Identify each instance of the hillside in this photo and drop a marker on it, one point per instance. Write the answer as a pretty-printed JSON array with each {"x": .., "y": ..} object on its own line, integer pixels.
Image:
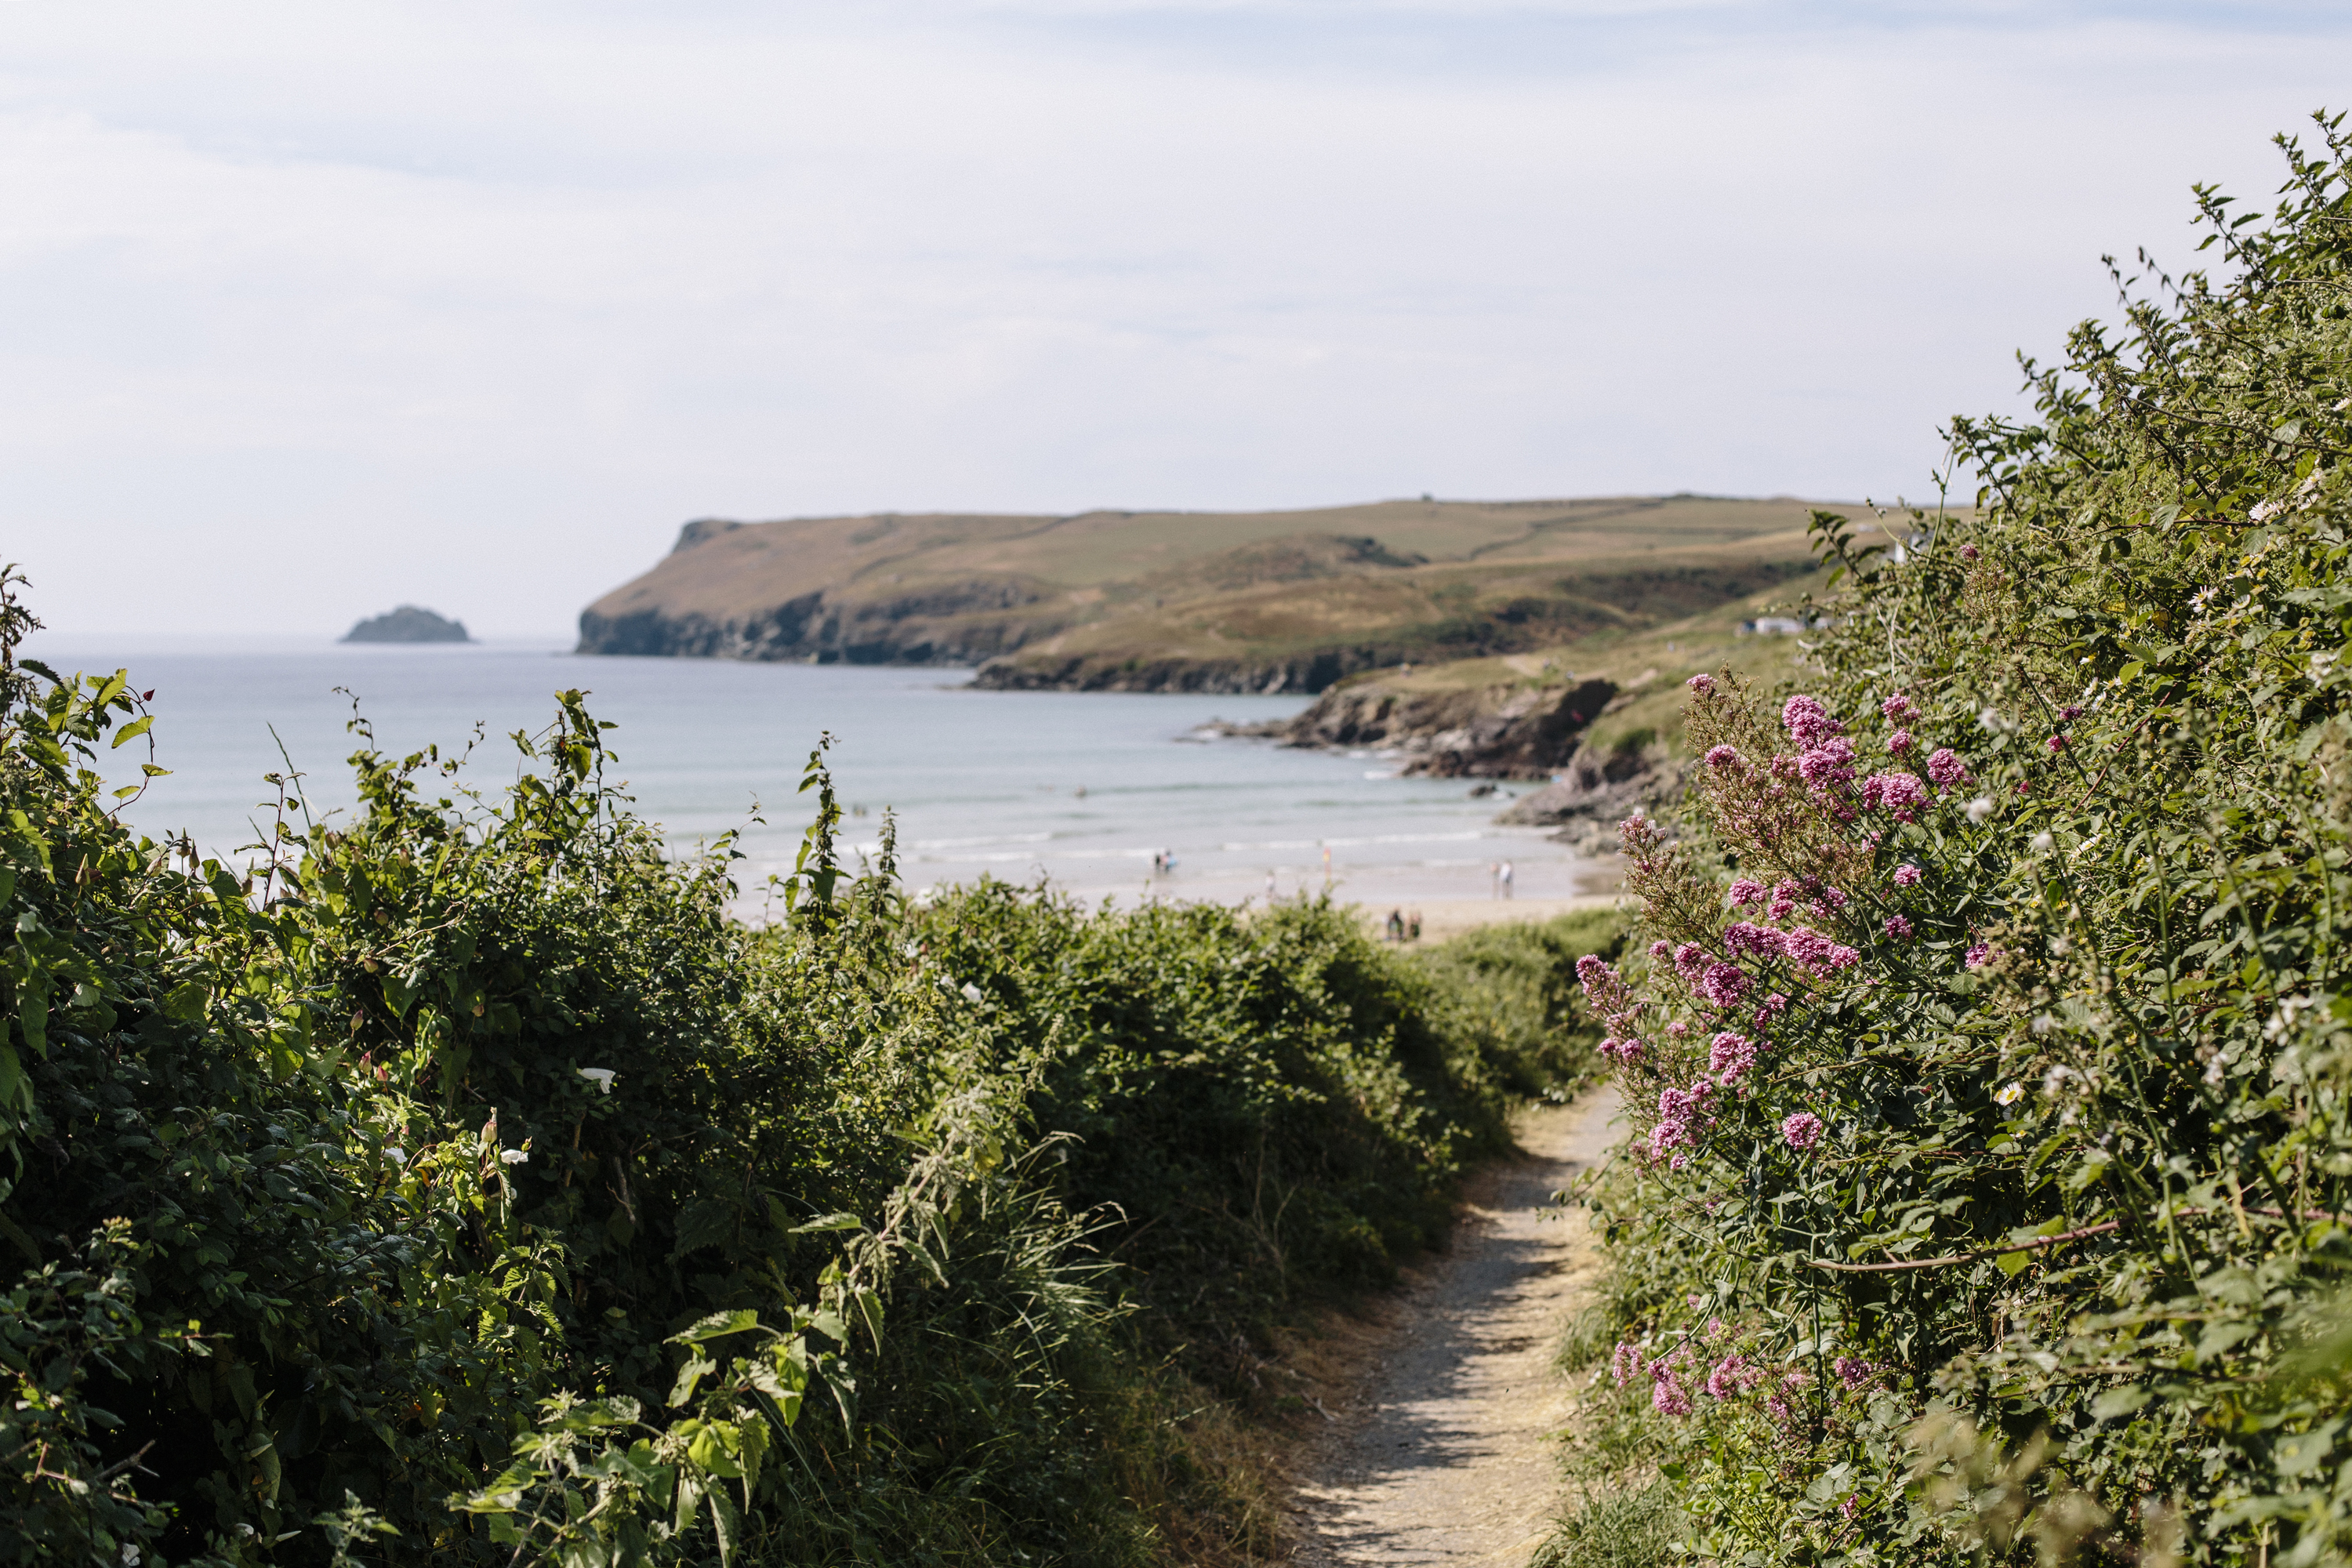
[{"x": 1284, "y": 601}]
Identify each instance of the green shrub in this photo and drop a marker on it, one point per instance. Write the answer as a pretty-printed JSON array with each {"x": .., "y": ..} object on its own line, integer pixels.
[
  {"x": 1994, "y": 1131},
  {"x": 461, "y": 1183}
]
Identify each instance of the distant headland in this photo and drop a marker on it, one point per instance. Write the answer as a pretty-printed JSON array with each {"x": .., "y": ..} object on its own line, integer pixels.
[
  {"x": 408, "y": 623},
  {"x": 1271, "y": 601}
]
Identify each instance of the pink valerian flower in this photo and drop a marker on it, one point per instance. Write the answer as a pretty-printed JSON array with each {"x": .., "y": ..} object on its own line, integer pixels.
[
  {"x": 1733, "y": 1376},
  {"x": 1944, "y": 766},
  {"x": 1855, "y": 1373},
  {"x": 1828, "y": 765},
  {"x": 1746, "y": 890},
  {"x": 1678, "y": 1029},
  {"x": 1680, "y": 1113},
  {"x": 2068, "y": 714},
  {"x": 1979, "y": 954},
  {"x": 1771, "y": 1007},
  {"x": 1667, "y": 1395},
  {"x": 1819, "y": 955},
  {"x": 1801, "y": 1130},
  {"x": 1807, "y": 722},
  {"x": 1729, "y": 1055},
  {"x": 1605, "y": 991},
  {"x": 1900, "y": 741},
  {"x": 1626, "y": 1363},
  {"x": 1825, "y": 897},
  {"x": 1899, "y": 793},
  {"x": 1724, "y": 985},
  {"x": 1743, "y": 939},
  {"x": 1848, "y": 1506},
  {"x": 1690, "y": 961},
  {"x": 1702, "y": 684},
  {"x": 1906, "y": 875},
  {"x": 1898, "y": 707},
  {"x": 1898, "y": 927},
  {"x": 1726, "y": 758},
  {"x": 1784, "y": 901},
  {"x": 1660, "y": 948},
  {"x": 1628, "y": 1051},
  {"x": 1967, "y": 552},
  {"x": 2056, "y": 743}
]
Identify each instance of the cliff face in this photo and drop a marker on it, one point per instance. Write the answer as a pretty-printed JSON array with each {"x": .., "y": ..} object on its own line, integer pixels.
[{"x": 1506, "y": 733}]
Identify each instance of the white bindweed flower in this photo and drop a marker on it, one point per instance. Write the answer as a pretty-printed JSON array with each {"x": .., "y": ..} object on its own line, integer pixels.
[
  {"x": 2043, "y": 844},
  {"x": 2043, "y": 1022},
  {"x": 971, "y": 993},
  {"x": 514, "y": 1156},
  {"x": 2009, "y": 1094},
  {"x": 1980, "y": 808},
  {"x": 397, "y": 1156},
  {"x": 601, "y": 1076}
]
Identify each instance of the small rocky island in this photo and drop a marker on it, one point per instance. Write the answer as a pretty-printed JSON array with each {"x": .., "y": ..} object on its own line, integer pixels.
[{"x": 408, "y": 623}]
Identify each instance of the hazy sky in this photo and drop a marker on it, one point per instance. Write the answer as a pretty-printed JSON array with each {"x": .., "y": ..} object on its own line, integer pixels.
[{"x": 314, "y": 309}]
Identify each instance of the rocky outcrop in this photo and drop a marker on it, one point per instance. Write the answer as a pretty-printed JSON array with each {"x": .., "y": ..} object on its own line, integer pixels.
[
  {"x": 1596, "y": 791},
  {"x": 407, "y": 624},
  {"x": 1503, "y": 733}
]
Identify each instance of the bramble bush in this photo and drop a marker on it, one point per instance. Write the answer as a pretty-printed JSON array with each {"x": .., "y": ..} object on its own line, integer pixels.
[
  {"x": 460, "y": 1182},
  {"x": 1990, "y": 1037}
]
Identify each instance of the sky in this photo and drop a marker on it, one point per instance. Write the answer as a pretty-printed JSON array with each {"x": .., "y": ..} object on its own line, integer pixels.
[{"x": 312, "y": 311}]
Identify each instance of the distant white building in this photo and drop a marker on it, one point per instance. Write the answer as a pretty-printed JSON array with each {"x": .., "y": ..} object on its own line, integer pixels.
[{"x": 1771, "y": 627}]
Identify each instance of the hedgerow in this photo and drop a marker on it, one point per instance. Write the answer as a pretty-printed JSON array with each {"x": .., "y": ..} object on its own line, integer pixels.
[
  {"x": 459, "y": 1181},
  {"x": 1990, "y": 1193}
]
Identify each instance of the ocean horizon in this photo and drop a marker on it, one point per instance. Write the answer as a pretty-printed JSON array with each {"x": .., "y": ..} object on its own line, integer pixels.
[{"x": 1080, "y": 790}]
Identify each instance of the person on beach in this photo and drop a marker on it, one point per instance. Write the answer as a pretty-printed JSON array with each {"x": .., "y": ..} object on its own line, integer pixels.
[
  {"x": 1413, "y": 926},
  {"x": 1396, "y": 925},
  {"x": 1507, "y": 878},
  {"x": 1269, "y": 886}
]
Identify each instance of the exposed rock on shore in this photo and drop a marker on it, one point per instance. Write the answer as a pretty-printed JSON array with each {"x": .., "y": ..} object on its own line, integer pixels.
[
  {"x": 1596, "y": 790},
  {"x": 1508, "y": 732}
]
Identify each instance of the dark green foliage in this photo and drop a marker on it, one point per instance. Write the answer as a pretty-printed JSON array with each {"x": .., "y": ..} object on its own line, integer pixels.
[{"x": 462, "y": 1182}]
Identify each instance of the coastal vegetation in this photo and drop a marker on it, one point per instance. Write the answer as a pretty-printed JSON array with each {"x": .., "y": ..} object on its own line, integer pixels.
[
  {"x": 458, "y": 1181},
  {"x": 1286, "y": 601},
  {"x": 1988, "y": 1032}
]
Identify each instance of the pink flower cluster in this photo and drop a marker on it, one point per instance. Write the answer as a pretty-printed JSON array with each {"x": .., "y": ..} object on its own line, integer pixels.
[
  {"x": 1626, "y": 1365},
  {"x": 1812, "y": 952},
  {"x": 1807, "y": 722},
  {"x": 1729, "y": 1055},
  {"x": 1733, "y": 1376},
  {"x": 1827, "y": 766},
  {"x": 1906, "y": 875},
  {"x": 1898, "y": 792},
  {"x": 1801, "y": 1130},
  {"x": 1944, "y": 766},
  {"x": 1667, "y": 1395},
  {"x": 1855, "y": 1374},
  {"x": 1726, "y": 758},
  {"x": 1898, "y": 707},
  {"x": 1744, "y": 940},
  {"x": 1979, "y": 954},
  {"x": 1898, "y": 927},
  {"x": 1746, "y": 890},
  {"x": 1900, "y": 741},
  {"x": 1702, "y": 684},
  {"x": 1606, "y": 993},
  {"x": 1681, "y": 1119}
]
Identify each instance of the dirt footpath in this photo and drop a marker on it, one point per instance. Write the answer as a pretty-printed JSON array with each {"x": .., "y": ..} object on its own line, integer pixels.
[{"x": 1440, "y": 1453}]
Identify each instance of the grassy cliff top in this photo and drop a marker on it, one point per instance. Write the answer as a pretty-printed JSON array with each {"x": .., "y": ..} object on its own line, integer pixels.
[{"x": 1254, "y": 600}]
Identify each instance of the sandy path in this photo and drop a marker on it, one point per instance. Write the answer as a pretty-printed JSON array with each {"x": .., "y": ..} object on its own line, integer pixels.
[{"x": 1441, "y": 1455}]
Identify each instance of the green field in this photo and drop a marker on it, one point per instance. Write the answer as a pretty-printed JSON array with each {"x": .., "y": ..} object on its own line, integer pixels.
[{"x": 1214, "y": 601}]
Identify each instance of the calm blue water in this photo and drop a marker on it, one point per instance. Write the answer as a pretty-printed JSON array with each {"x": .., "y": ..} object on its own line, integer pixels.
[{"x": 983, "y": 781}]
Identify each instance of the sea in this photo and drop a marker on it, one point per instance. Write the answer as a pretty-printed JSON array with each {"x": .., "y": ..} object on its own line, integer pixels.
[{"x": 1123, "y": 796}]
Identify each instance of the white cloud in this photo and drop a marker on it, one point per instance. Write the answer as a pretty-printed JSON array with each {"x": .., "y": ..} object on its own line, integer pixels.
[{"x": 316, "y": 310}]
